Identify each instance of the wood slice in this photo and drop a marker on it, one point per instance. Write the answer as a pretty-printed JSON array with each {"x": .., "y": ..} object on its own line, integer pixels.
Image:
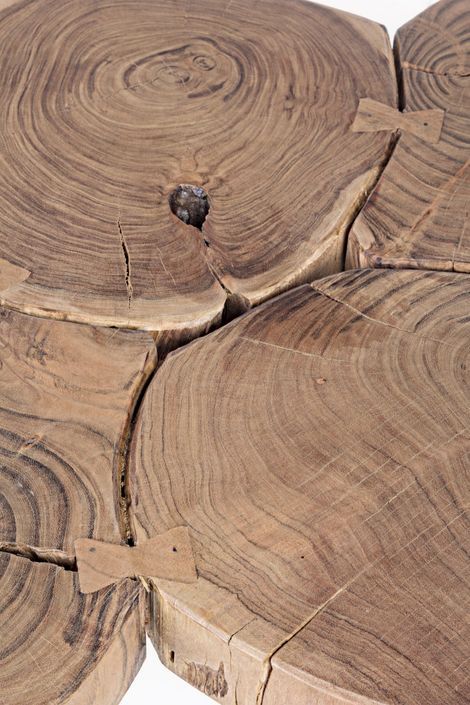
[
  {"x": 108, "y": 107},
  {"x": 318, "y": 449},
  {"x": 57, "y": 646},
  {"x": 418, "y": 215},
  {"x": 66, "y": 396},
  {"x": 67, "y": 393}
]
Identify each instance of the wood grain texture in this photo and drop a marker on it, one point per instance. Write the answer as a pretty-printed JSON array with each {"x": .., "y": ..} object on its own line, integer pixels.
[
  {"x": 418, "y": 216},
  {"x": 107, "y": 107},
  {"x": 66, "y": 394},
  {"x": 377, "y": 117},
  {"x": 318, "y": 449},
  {"x": 58, "y": 646},
  {"x": 168, "y": 556}
]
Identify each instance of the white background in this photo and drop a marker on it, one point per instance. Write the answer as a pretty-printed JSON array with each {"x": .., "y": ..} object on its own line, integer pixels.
[{"x": 155, "y": 685}]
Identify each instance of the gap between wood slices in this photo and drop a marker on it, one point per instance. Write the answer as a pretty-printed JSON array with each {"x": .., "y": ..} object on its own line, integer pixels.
[{"x": 257, "y": 661}]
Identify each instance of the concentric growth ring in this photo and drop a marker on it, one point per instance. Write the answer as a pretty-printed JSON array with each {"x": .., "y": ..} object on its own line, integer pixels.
[{"x": 107, "y": 107}]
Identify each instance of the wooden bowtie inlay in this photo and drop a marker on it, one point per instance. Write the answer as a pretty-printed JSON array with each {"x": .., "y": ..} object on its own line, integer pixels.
[
  {"x": 168, "y": 556},
  {"x": 373, "y": 116}
]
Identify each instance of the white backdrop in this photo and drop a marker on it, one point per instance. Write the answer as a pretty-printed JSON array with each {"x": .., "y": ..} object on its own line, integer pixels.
[{"x": 155, "y": 685}]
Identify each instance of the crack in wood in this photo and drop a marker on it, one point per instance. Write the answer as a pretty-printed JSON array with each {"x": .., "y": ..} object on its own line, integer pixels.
[
  {"x": 235, "y": 304},
  {"x": 446, "y": 193},
  {"x": 127, "y": 262},
  {"x": 377, "y": 320},
  {"x": 284, "y": 348},
  {"x": 268, "y": 660},
  {"x": 268, "y": 668},
  {"x": 37, "y": 554},
  {"x": 433, "y": 72},
  {"x": 229, "y": 644},
  {"x": 122, "y": 462},
  {"x": 358, "y": 207}
]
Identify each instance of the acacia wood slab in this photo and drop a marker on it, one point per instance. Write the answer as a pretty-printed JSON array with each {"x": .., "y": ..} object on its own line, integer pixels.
[
  {"x": 318, "y": 450},
  {"x": 166, "y": 166},
  {"x": 418, "y": 215},
  {"x": 66, "y": 397},
  {"x": 107, "y": 107},
  {"x": 58, "y": 646}
]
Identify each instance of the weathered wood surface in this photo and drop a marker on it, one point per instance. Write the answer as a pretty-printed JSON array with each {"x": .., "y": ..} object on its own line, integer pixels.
[
  {"x": 318, "y": 449},
  {"x": 108, "y": 107},
  {"x": 66, "y": 396},
  {"x": 58, "y": 646},
  {"x": 166, "y": 166},
  {"x": 419, "y": 213},
  {"x": 169, "y": 555}
]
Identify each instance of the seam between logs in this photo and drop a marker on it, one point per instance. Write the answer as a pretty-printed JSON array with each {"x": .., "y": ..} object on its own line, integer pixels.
[
  {"x": 367, "y": 192},
  {"x": 121, "y": 463},
  {"x": 389, "y": 152}
]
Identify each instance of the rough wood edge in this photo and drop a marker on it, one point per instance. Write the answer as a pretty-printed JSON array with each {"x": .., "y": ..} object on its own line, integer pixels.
[{"x": 98, "y": 687}]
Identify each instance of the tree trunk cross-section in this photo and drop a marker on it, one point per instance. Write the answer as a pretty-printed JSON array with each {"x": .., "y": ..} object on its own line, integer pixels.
[
  {"x": 59, "y": 646},
  {"x": 66, "y": 395},
  {"x": 318, "y": 450},
  {"x": 418, "y": 215},
  {"x": 108, "y": 107},
  {"x": 300, "y": 477}
]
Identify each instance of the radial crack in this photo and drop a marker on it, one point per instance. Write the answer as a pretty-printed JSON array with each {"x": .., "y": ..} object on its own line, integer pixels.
[
  {"x": 433, "y": 72},
  {"x": 235, "y": 304},
  {"x": 40, "y": 555},
  {"x": 377, "y": 321},
  {"x": 267, "y": 665},
  {"x": 127, "y": 262}
]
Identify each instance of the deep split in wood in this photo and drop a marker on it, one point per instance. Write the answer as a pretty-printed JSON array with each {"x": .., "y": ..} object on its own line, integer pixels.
[{"x": 282, "y": 504}]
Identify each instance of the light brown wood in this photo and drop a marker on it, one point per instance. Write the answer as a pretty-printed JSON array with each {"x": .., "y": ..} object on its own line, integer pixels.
[
  {"x": 108, "y": 107},
  {"x": 298, "y": 483},
  {"x": 66, "y": 396},
  {"x": 318, "y": 450},
  {"x": 168, "y": 556},
  {"x": 419, "y": 213},
  {"x": 58, "y": 646},
  {"x": 377, "y": 117},
  {"x": 67, "y": 393}
]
